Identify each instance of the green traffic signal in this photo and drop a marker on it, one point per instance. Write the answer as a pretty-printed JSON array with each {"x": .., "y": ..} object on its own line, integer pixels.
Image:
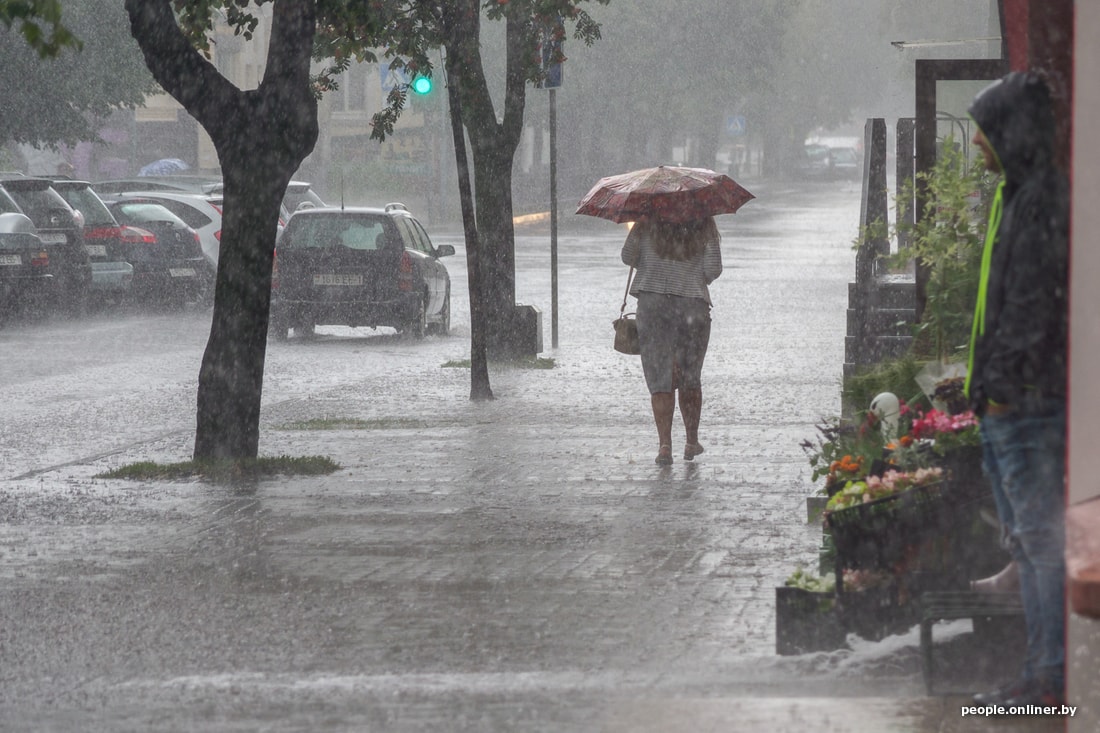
[{"x": 421, "y": 85}]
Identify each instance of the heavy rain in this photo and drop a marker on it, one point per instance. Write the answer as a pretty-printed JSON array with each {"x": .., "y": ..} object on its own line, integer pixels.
[{"x": 311, "y": 234}]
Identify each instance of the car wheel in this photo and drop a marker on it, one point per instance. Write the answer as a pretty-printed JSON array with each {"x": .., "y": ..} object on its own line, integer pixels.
[
  {"x": 444, "y": 326},
  {"x": 278, "y": 329},
  {"x": 76, "y": 298},
  {"x": 206, "y": 292},
  {"x": 418, "y": 326}
]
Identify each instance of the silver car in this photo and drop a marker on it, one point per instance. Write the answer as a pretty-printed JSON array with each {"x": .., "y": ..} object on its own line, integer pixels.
[{"x": 201, "y": 212}]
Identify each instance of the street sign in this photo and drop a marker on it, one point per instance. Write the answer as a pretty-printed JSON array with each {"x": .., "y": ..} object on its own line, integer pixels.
[
  {"x": 392, "y": 78},
  {"x": 735, "y": 125},
  {"x": 550, "y": 45}
]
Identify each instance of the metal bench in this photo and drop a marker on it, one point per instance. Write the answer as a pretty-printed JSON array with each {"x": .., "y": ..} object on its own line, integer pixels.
[{"x": 949, "y": 605}]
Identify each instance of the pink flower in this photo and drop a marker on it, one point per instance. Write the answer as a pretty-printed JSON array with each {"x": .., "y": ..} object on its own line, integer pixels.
[{"x": 935, "y": 422}]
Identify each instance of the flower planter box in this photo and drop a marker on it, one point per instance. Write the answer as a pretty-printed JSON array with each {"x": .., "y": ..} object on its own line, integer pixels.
[
  {"x": 806, "y": 622},
  {"x": 879, "y": 534},
  {"x": 963, "y": 467},
  {"x": 876, "y": 613},
  {"x": 815, "y": 508},
  {"x": 892, "y": 531}
]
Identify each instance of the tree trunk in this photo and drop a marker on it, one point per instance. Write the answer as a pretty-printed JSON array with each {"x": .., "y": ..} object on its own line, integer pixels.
[
  {"x": 231, "y": 377},
  {"x": 261, "y": 137},
  {"x": 496, "y": 233},
  {"x": 493, "y": 145},
  {"x": 480, "y": 388}
]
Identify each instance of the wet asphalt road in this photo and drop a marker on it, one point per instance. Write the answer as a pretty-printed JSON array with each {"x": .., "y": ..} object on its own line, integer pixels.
[{"x": 517, "y": 565}]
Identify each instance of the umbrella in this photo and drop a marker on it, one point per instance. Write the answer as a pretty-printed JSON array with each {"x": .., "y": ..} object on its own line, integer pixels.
[
  {"x": 670, "y": 193},
  {"x": 164, "y": 167}
]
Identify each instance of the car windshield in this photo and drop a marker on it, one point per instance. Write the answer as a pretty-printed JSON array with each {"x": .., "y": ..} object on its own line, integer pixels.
[
  {"x": 7, "y": 204},
  {"x": 366, "y": 232},
  {"x": 187, "y": 210},
  {"x": 140, "y": 212},
  {"x": 844, "y": 155},
  {"x": 296, "y": 196},
  {"x": 41, "y": 205},
  {"x": 86, "y": 202}
]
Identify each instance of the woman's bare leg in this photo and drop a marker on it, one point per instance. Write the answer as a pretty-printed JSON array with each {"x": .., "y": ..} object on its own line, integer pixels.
[{"x": 664, "y": 405}]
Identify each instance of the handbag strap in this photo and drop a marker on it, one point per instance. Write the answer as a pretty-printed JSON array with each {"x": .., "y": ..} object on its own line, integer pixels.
[{"x": 629, "y": 279}]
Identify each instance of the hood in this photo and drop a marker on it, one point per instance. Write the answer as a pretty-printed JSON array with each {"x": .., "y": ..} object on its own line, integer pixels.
[{"x": 1015, "y": 115}]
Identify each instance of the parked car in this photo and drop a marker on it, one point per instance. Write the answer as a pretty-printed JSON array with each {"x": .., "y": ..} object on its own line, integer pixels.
[
  {"x": 61, "y": 232},
  {"x": 112, "y": 275},
  {"x": 815, "y": 162},
  {"x": 169, "y": 265},
  {"x": 187, "y": 183},
  {"x": 299, "y": 195},
  {"x": 202, "y": 212},
  {"x": 846, "y": 163},
  {"x": 26, "y": 277},
  {"x": 359, "y": 267}
]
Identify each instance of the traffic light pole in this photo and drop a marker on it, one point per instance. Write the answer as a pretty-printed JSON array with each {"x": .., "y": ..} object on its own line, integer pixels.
[{"x": 553, "y": 219}]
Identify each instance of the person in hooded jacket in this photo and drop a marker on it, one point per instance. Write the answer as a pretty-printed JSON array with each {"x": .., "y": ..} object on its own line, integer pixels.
[{"x": 1016, "y": 380}]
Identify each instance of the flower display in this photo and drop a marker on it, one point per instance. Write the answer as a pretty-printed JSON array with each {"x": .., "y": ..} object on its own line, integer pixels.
[
  {"x": 932, "y": 423},
  {"x": 876, "y": 487},
  {"x": 946, "y": 431},
  {"x": 845, "y": 451},
  {"x": 855, "y": 580}
]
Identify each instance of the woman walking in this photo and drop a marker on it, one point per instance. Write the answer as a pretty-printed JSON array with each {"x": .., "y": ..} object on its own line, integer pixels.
[{"x": 675, "y": 263}]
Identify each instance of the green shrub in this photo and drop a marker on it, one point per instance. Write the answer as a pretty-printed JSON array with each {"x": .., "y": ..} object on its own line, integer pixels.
[{"x": 947, "y": 242}]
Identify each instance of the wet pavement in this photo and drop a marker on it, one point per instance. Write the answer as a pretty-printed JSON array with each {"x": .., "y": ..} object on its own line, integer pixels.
[{"x": 514, "y": 565}]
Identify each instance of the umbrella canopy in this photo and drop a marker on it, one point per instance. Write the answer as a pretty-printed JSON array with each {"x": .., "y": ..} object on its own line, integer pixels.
[
  {"x": 668, "y": 193},
  {"x": 164, "y": 167}
]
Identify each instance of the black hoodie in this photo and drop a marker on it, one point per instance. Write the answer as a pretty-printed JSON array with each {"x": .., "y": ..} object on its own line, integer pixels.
[{"x": 1020, "y": 359}]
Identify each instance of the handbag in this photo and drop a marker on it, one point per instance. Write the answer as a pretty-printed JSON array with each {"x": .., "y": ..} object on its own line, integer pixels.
[
  {"x": 626, "y": 327},
  {"x": 626, "y": 334}
]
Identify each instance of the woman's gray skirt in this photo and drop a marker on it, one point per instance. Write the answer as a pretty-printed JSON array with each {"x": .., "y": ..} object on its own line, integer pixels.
[{"x": 672, "y": 331}]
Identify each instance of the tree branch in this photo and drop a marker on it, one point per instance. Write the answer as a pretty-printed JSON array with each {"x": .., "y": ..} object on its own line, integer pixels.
[{"x": 177, "y": 66}]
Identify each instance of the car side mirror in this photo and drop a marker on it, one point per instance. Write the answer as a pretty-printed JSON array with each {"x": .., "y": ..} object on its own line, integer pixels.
[{"x": 444, "y": 250}]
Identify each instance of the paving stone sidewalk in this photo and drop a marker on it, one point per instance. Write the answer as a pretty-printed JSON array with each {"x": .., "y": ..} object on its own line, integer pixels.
[{"x": 519, "y": 565}]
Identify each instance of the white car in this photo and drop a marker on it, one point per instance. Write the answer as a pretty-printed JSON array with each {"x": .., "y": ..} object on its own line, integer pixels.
[{"x": 201, "y": 212}]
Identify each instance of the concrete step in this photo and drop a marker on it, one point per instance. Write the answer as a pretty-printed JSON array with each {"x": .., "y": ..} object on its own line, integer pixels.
[
  {"x": 896, "y": 294},
  {"x": 885, "y": 322},
  {"x": 892, "y": 321}
]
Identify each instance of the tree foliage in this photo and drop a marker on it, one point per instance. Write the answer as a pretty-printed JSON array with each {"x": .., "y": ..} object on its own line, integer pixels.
[
  {"x": 407, "y": 32},
  {"x": 39, "y": 21},
  {"x": 667, "y": 75},
  {"x": 262, "y": 135},
  {"x": 948, "y": 241},
  {"x": 57, "y": 89}
]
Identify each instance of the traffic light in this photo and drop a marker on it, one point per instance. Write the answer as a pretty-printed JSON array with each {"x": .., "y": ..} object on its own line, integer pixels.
[{"x": 421, "y": 85}]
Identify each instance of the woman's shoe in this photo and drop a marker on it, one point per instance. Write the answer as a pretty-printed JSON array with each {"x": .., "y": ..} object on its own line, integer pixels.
[
  {"x": 1006, "y": 581},
  {"x": 691, "y": 450},
  {"x": 664, "y": 456}
]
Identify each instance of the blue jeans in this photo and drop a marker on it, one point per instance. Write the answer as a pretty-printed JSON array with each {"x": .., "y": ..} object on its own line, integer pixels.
[{"x": 1024, "y": 457}]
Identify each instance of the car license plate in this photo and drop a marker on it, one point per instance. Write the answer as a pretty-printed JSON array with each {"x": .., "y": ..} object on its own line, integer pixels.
[
  {"x": 337, "y": 278},
  {"x": 53, "y": 237},
  {"x": 10, "y": 260},
  {"x": 96, "y": 250},
  {"x": 181, "y": 272}
]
